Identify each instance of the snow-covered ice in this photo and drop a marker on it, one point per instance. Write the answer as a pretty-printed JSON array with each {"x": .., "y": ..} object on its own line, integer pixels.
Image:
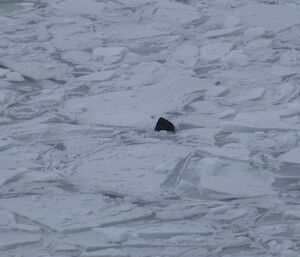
[
  {"x": 14, "y": 77},
  {"x": 109, "y": 55},
  {"x": 3, "y": 72},
  {"x": 82, "y": 171}
]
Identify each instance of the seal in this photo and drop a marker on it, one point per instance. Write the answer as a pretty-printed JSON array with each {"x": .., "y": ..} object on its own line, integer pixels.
[{"x": 163, "y": 124}]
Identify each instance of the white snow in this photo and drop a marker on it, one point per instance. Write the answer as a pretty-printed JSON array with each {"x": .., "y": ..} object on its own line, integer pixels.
[{"x": 82, "y": 85}]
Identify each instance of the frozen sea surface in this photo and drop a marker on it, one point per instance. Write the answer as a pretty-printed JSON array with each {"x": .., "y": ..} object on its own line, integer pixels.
[{"x": 82, "y": 171}]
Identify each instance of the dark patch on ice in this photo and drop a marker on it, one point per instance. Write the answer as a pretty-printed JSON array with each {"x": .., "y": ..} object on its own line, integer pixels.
[
  {"x": 287, "y": 183},
  {"x": 79, "y": 91},
  {"x": 14, "y": 178},
  {"x": 183, "y": 1},
  {"x": 288, "y": 170},
  {"x": 146, "y": 50},
  {"x": 58, "y": 81},
  {"x": 163, "y": 124},
  {"x": 66, "y": 186},
  {"x": 60, "y": 146},
  {"x": 205, "y": 69},
  {"x": 17, "y": 194},
  {"x": 113, "y": 195}
]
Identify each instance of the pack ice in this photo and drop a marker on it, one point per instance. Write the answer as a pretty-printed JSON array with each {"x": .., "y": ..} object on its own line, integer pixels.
[{"x": 83, "y": 171}]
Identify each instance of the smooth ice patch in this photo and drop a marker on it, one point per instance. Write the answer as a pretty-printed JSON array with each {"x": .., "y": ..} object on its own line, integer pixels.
[
  {"x": 88, "y": 7},
  {"x": 133, "y": 108},
  {"x": 294, "y": 214},
  {"x": 15, "y": 239},
  {"x": 258, "y": 121},
  {"x": 218, "y": 91},
  {"x": 3, "y": 72},
  {"x": 109, "y": 55},
  {"x": 125, "y": 32},
  {"x": 232, "y": 151},
  {"x": 215, "y": 51},
  {"x": 98, "y": 76},
  {"x": 9, "y": 175},
  {"x": 185, "y": 55},
  {"x": 291, "y": 109},
  {"x": 234, "y": 178},
  {"x": 237, "y": 57},
  {"x": 134, "y": 172},
  {"x": 273, "y": 17},
  {"x": 7, "y": 6},
  {"x": 77, "y": 56},
  {"x": 231, "y": 22},
  {"x": 292, "y": 156},
  {"x": 253, "y": 94},
  {"x": 174, "y": 13},
  {"x": 284, "y": 71},
  {"x": 255, "y": 32},
  {"x": 14, "y": 77},
  {"x": 72, "y": 214},
  {"x": 37, "y": 67}
]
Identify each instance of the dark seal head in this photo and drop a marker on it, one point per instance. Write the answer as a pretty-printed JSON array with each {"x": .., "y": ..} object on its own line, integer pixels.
[{"x": 163, "y": 124}]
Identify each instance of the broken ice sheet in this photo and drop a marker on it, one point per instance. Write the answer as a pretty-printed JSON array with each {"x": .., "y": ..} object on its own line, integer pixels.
[
  {"x": 133, "y": 107},
  {"x": 133, "y": 172},
  {"x": 127, "y": 190},
  {"x": 14, "y": 239},
  {"x": 35, "y": 66},
  {"x": 234, "y": 178},
  {"x": 70, "y": 214},
  {"x": 260, "y": 121}
]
